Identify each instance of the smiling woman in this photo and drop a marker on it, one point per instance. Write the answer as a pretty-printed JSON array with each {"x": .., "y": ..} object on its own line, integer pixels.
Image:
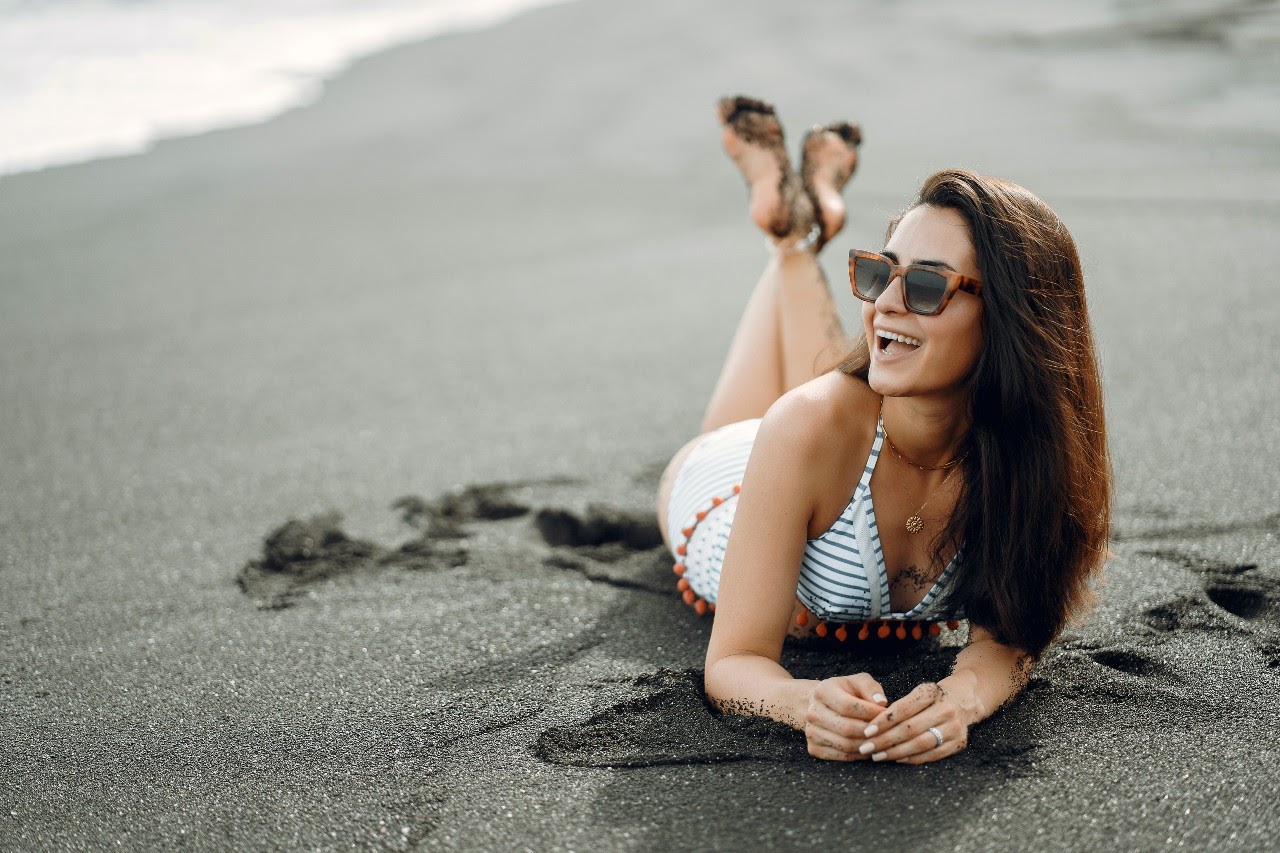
[{"x": 952, "y": 465}]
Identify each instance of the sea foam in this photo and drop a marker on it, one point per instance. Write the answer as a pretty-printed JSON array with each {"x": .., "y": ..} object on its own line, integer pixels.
[{"x": 81, "y": 79}]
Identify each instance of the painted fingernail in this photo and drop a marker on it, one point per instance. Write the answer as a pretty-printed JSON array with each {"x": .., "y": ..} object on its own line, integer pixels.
[
  {"x": 879, "y": 697},
  {"x": 865, "y": 748},
  {"x": 879, "y": 756},
  {"x": 870, "y": 731}
]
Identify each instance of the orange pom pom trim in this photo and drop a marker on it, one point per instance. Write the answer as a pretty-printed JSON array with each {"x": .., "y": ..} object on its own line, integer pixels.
[{"x": 686, "y": 591}]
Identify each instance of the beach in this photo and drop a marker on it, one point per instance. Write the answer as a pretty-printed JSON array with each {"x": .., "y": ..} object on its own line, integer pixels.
[{"x": 328, "y": 444}]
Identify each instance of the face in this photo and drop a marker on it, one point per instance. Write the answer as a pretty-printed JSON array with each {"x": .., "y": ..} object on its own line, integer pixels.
[{"x": 943, "y": 348}]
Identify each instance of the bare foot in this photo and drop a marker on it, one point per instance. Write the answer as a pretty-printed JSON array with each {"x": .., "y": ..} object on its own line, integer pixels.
[
  {"x": 753, "y": 139},
  {"x": 828, "y": 157}
]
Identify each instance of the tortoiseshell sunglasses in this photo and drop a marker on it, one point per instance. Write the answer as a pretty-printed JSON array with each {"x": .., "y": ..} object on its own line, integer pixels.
[{"x": 926, "y": 289}]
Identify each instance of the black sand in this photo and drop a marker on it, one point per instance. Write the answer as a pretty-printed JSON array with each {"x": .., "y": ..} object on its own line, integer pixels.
[{"x": 496, "y": 271}]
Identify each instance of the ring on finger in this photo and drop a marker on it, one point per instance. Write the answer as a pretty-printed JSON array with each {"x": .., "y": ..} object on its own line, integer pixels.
[{"x": 937, "y": 735}]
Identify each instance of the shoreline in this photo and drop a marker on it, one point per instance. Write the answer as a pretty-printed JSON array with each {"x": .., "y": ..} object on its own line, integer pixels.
[{"x": 474, "y": 272}]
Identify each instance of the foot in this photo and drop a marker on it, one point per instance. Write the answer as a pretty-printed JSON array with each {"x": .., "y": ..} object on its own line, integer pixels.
[
  {"x": 828, "y": 157},
  {"x": 753, "y": 139}
]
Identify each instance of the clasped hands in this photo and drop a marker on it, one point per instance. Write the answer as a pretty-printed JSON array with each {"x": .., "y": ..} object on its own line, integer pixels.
[{"x": 850, "y": 719}]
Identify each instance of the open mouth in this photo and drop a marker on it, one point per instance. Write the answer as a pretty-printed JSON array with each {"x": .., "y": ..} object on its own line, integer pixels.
[{"x": 892, "y": 342}]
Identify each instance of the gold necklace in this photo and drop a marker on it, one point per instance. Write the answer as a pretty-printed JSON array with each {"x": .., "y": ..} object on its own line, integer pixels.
[
  {"x": 914, "y": 522},
  {"x": 898, "y": 454}
]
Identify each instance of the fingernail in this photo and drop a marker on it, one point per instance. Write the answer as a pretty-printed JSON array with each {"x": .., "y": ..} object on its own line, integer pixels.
[
  {"x": 866, "y": 747},
  {"x": 879, "y": 756},
  {"x": 879, "y": 697},
  {"x": 870, "y": 731}
]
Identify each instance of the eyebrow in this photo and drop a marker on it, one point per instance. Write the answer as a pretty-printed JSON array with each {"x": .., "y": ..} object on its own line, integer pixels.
[{"x": 924, "y": 262}]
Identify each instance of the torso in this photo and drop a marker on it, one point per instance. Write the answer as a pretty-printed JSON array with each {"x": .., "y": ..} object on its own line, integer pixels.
[{"x": 908, "y": 559}]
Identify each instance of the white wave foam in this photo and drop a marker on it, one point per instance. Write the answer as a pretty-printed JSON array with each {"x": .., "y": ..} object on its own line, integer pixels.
[{"x": 89, "y": 78}]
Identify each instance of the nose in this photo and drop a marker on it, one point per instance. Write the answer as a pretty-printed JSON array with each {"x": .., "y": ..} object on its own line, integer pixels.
[{"x": 892, "y": 300}]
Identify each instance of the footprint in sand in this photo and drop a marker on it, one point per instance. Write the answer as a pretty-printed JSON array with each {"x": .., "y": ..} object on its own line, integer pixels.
[
  {"x": 1131, "y": 661},
  {"x": 299, "y": 554},
  {"x": 619, "y": 547},
  {"x": 1244, "y": 591}
]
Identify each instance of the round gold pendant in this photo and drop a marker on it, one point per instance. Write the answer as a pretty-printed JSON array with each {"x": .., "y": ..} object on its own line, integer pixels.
[{"x": 914, "y": 524}]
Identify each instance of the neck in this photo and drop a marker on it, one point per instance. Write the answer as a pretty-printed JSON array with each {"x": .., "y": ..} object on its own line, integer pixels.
[{"x": 925, "y": 432}]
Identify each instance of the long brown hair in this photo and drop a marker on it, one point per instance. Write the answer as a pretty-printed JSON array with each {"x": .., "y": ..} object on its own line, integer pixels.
[{"x": 1034, "y": 508}]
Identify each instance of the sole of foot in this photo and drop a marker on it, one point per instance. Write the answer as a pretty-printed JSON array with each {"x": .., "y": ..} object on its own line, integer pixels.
[
  {"x": 829, "y": 156},
  {"x": 753, "y": 139}
]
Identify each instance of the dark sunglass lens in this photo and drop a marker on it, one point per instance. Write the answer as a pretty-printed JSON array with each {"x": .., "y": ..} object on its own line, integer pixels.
[
  {"x": 925, "y": 290},
  {"x": 870, "y": 277}
]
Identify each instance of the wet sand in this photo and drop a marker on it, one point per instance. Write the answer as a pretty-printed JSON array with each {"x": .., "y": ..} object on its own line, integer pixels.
[{"x": 327, "y": 444}]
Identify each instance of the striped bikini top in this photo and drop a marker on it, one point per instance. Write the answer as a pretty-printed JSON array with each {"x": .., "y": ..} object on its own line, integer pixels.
[{"x": 843, "y": 576}]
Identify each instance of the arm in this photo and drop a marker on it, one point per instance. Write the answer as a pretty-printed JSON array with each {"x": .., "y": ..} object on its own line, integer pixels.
[
  {"x": 761, "y": 568},
  {"x": 790, "y": 466},
  {"x": 987, "y": 675}
]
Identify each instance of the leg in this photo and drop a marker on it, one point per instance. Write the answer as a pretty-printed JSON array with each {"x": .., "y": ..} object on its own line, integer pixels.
[{"x": 790, "y": 325}]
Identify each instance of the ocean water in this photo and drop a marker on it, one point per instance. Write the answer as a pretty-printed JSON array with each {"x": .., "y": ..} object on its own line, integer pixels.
[{"x": 81, "y": 79}]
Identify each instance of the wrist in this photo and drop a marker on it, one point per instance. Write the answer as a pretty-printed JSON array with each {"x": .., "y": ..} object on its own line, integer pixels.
[
  {"x": 787, "y": 702},
  {"x": 962, "y": 687}
]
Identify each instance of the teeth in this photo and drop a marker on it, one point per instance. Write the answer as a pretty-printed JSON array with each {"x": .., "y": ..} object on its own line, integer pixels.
[{"x": 894, "y": 336}]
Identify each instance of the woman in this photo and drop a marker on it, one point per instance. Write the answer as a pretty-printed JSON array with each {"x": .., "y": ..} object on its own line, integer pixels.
[{"x": 965, "y": 422}]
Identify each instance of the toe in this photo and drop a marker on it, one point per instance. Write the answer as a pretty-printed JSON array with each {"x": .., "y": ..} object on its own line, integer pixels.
[
  {"x": 850, "y": 133},
  {"x": 735, "y": 107}
]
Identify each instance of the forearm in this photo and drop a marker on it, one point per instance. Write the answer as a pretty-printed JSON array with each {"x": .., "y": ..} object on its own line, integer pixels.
[
  {"x": 987, "y": 675},
  {"x": 753, "y": 685}
]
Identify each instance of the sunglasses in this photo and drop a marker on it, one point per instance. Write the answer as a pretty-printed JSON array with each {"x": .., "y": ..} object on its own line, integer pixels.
[{"x": 926, "y": 289}]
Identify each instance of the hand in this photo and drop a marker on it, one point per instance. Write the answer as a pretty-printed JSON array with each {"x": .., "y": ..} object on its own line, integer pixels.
[
  {"x": 901, "y": 731},
  {"x": 839, "y": 710}
]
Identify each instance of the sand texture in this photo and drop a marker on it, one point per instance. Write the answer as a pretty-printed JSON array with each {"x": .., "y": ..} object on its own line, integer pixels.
[{"x": 327, "y": 445}]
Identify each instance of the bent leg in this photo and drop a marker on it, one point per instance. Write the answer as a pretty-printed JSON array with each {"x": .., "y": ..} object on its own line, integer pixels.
[{"x": 789, "y": 329}]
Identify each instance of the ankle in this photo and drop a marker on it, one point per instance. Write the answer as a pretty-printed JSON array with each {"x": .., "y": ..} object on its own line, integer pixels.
[{"x": 796, "y": 244}]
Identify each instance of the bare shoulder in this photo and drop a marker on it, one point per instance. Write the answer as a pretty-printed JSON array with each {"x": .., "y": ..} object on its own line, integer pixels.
[{"x": 824, "y": 418}]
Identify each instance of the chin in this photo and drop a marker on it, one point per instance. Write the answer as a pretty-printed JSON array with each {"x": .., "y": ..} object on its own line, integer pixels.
[{"x": 885, "y": 386}]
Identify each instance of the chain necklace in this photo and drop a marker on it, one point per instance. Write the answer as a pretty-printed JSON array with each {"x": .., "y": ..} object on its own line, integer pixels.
[
  {"x": 914, "y": 522},
  {"x": 898, "y": 454}
]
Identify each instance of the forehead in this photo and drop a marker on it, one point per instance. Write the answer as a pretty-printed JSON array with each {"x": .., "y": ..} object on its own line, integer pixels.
[{"x": 931, "y": 233}]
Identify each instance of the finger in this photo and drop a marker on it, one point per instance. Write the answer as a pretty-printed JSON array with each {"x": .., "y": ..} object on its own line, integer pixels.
[
  {"x": 843, "y": 697},
  {"x": 867, "y": 687},
  {"x": 949, "y": 747},
  {"x": 831, "y": 747},
  {"x": 918, "y": 745},
  {"x": 905, "y": 708},
  {"x": 840, "y": 725},
  {"x": 903, "y": 733}
]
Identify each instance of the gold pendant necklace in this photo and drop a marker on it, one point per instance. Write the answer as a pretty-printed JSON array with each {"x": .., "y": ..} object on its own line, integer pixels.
[{"x": 914, "y": 522}]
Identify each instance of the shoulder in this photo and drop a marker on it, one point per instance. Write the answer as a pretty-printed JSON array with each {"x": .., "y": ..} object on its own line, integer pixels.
[{"x": 825, "y": 417}]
